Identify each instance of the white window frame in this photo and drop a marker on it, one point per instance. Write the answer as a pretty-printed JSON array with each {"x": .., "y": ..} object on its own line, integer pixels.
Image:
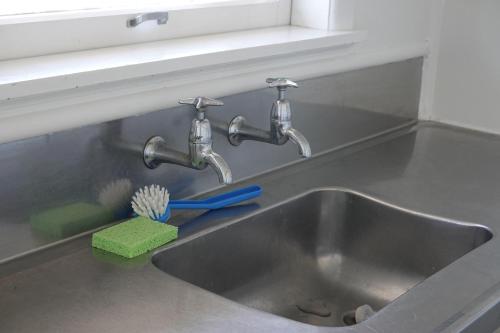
[
  {"x": 323, "y": 14},
  {"x": 61, "y": 14},
  {"x": 50, "y": 33}
]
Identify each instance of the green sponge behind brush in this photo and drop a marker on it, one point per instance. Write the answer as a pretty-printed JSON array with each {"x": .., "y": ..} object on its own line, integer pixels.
[
  {"x": 134, "y": 237},
  {"x": 70, "y": 220}
]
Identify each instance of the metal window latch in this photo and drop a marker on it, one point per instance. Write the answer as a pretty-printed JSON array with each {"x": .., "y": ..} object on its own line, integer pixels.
[{"x": 160, "y": 17}]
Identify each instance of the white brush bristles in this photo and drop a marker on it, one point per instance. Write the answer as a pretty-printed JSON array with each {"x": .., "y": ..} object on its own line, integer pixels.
[{"x": 150, "y": 201}]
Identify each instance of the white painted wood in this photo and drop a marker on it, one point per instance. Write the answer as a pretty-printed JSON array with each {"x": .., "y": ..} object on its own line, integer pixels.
[
  {"x": 468, "y": 72},
  {"x": 30, "y": 76},
  {"x": 341, "y": 15},
  {"x": 65, "y": 35},
  {"x": 311, "y": 14},
  {"x": 93, "y": 9},
  {"x": 384, "y": 19},
  {"x": 323, "y": 14}
]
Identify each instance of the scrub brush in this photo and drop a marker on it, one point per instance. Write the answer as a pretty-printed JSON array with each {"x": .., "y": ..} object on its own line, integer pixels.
[
  {"x": 151, "y": 202},
  {"x": 143, "y": 233}
]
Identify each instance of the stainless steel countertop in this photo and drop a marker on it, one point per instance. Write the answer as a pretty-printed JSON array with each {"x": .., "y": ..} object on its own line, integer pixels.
[{"x": 433, "y": 169}]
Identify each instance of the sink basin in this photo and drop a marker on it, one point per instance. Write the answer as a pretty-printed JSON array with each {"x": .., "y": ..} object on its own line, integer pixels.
[{"x": 317, "y": 257}]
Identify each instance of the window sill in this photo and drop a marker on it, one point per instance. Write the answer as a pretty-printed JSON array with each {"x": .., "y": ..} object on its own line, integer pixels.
[
  {"x": 53, "y": 73},
  {"x": 53, "y": 93}
]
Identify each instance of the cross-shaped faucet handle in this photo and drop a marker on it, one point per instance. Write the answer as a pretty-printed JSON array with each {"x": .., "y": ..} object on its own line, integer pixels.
[
  {"x": 281, "y": 83},
  {"x": 201, "y": 103}
]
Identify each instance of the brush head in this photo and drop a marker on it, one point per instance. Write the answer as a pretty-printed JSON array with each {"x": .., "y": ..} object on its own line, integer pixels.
[
  {"x": 151, "y": 202},
  {"x": 134, "y": 237}
]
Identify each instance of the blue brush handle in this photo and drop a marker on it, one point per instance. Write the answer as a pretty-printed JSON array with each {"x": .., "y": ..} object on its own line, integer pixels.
[
  {"x": 218, "y": 201},
  {"x": 215, "y": 202}
]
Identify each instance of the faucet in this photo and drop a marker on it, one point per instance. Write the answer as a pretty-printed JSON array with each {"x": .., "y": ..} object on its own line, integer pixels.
[
  {"x": 200, "y": 153},
  {"x": 281, "y": 123}
]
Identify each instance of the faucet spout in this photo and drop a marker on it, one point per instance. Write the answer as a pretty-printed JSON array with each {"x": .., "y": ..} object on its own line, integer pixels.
[
  {"x": 300, "y": 140},
  {"x": 219, "y": 165}
]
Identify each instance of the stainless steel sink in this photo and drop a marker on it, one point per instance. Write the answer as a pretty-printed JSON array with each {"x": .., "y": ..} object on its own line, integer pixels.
[{"x": 317, "y": 257}]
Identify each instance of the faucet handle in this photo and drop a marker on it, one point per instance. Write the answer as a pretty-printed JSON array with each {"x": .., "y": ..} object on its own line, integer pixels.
[
  {"x": 281, "y": 83},
  {"x": 200, "y": 103}
]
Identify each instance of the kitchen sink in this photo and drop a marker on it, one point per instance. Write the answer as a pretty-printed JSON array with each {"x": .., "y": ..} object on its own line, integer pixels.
[{"x": 317, "y": 257}]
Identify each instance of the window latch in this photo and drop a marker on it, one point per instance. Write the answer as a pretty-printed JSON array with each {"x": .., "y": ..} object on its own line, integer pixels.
[{"x": 160, "y": 17}]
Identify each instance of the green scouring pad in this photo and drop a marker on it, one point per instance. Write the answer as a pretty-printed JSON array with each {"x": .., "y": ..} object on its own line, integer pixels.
[
  {"x": 134, "y": 237},
  {"x": 70, "y": 220}
]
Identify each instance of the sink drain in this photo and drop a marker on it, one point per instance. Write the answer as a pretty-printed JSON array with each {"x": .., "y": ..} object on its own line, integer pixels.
[
  {"x": 360, "y": 314},
  {"x": 349, "y": 318},
  {"x": 315, "y": 307}
]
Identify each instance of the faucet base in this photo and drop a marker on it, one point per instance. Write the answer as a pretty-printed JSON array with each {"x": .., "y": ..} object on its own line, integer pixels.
[
  {"x": 149, "y": 153},
  {"x": 234, "y": 130}
]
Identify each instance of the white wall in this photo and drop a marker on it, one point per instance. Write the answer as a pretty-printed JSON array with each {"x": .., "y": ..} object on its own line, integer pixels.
[
  {"x": 388, "y": 23},
  {"x": 393, "y": 23},
  {"x": 467, "y": 86}
]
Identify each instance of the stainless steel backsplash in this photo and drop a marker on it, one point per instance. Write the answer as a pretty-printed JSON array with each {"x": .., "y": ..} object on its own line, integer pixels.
[{"x": 79, "y": 165}]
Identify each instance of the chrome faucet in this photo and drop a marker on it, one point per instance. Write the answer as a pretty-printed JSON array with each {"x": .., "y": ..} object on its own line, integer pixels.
[
  {"x": 281, "y": 123},
  {"x": 200, "y": 153}
]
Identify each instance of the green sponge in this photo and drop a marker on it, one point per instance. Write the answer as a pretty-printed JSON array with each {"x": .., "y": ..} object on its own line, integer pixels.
[
  {"x": 70, "y": 220},
  {"x": 134, "y": 237}
]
